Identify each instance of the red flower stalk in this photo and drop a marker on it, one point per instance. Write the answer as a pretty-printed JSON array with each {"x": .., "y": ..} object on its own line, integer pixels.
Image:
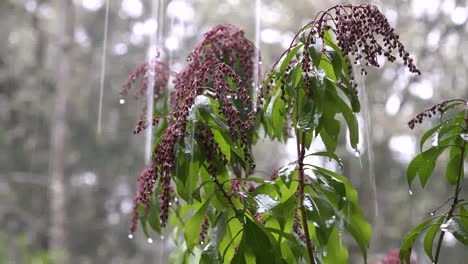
[
  {"x": 431, "y": 112},
  {"x": 297, "y": 226},
  {"x": 141, "y": 73},
  {"x": 204, "y": 230},
  {"x": 224, "y": 57}
]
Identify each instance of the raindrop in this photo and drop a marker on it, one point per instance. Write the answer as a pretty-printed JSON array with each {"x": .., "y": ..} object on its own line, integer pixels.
[
  {"x": 357, "y": 154},
  {"x": 464, "y": 136},
  {"x": 410, "y": 192},
  {"x": 435, "y": 140},
  {"x": 150, "y": 240},
  {"x": 431, "y": 213},
  {"x": 201, "y": 243},
  {"x": 176, "y": 200},
  {"x": 130, "y": 236},
  {"x": 122, "y": 101},
  {"x": 229, "y": 96},
  {"x": 260, "y": 62},
  {"x": 170, "y": 203},
  {"x": 162, "y": 237},
  {"x": 444, "y": 227}
]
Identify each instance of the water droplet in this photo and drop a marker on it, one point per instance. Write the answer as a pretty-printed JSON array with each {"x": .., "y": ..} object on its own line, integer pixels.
[
  {"x": 228, "y": 96},
  {"x": 464, "y": 136},
  {"x": 130, "y": 236},
  {"x": 122, "y": 101},
  {"x": 150, "y": 240},
  {"x": 176, "y": 200},
  {"x": 170, "y": 203},
  {"x": 260, "y": 62},
  {"x": 435, "y": 140},
  {"x": 201, "y": 242},
  {"x": 162, "y": 237},
  {"x": 357, "y": 154},
  {"x": 431, "y": 213},
  {"x": 444, "y": 227},
  {"x": 410, "y": 192}
]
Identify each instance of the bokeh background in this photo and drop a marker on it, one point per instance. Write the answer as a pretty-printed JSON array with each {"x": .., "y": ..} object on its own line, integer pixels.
[{"x": 38, "y": 100}]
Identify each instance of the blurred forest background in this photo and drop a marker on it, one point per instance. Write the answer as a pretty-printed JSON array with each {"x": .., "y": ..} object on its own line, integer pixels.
[{"x": 67, "y": 190}]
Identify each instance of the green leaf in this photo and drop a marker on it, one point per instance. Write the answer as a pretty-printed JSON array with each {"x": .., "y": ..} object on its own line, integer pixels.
[
  {"x": 223, "y": 145},
  {"x": 429, "y": 237},
  {"x": 210, "y": 253},
  {"x": 335, "y": 251},
  {"x": 322, "y": 215},
  {"x": 332, "y": 183},
  {"x": 283, "y": 212},
  {"x": 423, "y": 165},
  {"x": 453, "y": 167},
  {"x": 336, "y": 62},
  {"x": 329, "y": 155},
  {"x": 309, "y": 117},
  {"x": 427, "y": 135},
  {"x": 354, "y": 220},
  {"x": 347, "y": 113},
  {"x": 275, "y": 114},
  {"x": 289, "y": 57},
  {"x": 464, "y": 216},
  {"x": 330, "y": 133},
  {"x": 193, "y": 226},
  {"x": 410, "y": 237},
  {"x": 260, "y": 244},
  {"x": 315, "y": 51},
  {"x": 286, "y": 173},
  {"x": 154, "y": 216}
]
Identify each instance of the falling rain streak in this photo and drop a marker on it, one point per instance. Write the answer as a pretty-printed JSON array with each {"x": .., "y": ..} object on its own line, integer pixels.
[
  {"x": 155, "y": 39},
  {"x": 258, "y": 6},
  {"x": 103, "y": 68},
  {"x": 368, "y": 141}
]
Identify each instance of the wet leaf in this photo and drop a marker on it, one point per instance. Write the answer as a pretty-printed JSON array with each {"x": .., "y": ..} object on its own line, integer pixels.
[{"x": 430, "y": 235}]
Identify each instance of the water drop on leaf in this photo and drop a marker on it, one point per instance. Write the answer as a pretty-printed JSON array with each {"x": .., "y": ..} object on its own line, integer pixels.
[
  {"x": 464, "y": 136},
  {"x": 431, "y": 213},
  {"x": 122, "y": 101},
  {"x": 150, "y": 240},
  {"x": 410, "y": 192},
  {"x": 130, "y": 236},
  {"x": 435, "y": 140}
]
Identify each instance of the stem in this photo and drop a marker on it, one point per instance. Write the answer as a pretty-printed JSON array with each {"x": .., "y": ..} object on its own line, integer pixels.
[
  {"x": 228, "y": 198},
  {"x": 457, "y": 192},
  {"x": 300, "y": 161},
  {"x": 300, "y": 153}
]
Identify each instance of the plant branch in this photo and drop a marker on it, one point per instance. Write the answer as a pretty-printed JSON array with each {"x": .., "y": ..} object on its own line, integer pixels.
[
  {"x": 457, "y": 192},
  {"x": 228, "y": 198},
  {"x": 300, "y": 161}
]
